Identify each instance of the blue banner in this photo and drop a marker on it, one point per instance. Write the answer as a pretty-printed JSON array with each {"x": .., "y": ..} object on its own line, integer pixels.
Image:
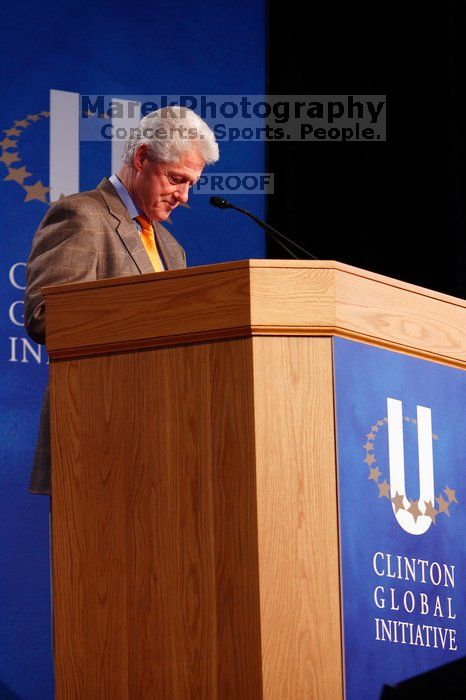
[
  {"x": 401, "y": 451},
  {"x": 54, "y": 53}
]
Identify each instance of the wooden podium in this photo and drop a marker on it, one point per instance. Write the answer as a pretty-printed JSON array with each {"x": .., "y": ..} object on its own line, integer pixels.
[{"x": 195, "y": 518}]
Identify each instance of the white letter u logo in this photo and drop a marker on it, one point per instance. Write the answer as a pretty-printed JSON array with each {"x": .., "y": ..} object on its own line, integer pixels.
[{"x": 412, "y": 523}]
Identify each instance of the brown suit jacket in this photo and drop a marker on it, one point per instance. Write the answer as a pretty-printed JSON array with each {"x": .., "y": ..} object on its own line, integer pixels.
[{"x": 84, "y": 237}]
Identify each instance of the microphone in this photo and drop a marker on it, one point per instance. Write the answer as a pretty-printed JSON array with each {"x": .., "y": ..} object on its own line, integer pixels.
[
  {"x": 278, "y": 237},
  {"x": 220, "y": 203}
]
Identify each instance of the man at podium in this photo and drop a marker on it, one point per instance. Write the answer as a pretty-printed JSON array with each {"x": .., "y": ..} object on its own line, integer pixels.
[{"x": 115, "y": 230}]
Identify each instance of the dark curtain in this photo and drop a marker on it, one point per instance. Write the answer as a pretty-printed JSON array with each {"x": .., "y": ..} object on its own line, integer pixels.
[{"x": 397, "y": 207}]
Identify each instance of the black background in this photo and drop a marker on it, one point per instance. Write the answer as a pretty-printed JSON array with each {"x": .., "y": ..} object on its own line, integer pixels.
[{"x": 394, "y": 207}]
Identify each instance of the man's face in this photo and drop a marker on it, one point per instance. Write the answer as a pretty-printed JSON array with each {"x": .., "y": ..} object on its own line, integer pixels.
[{"x": 159, "y": 187}]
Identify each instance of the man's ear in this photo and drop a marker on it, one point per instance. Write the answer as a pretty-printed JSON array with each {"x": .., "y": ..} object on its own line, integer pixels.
[{"x": 140, "y": 156}]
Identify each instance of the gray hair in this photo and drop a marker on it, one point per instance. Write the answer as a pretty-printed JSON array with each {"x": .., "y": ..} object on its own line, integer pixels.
[{"x": 170, "y": 131}]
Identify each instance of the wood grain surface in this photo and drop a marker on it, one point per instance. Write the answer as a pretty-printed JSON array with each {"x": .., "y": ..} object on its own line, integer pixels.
[
  {"x": 195, "y": 545},
  {"x": 298, "y": 521},
  {"x": 154, "y": 525},
  {"x": 166, "y": 305},
  {"x": 255, "y": 298}
]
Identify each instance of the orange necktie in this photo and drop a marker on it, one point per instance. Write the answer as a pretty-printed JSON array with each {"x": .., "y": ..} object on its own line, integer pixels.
[{"x": 148, "y": 239}]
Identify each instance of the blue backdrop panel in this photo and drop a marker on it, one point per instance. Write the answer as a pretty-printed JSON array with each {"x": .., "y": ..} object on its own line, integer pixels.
[
  {"x": 109, "y": 49},
  {"x": 402, "y": 592}
]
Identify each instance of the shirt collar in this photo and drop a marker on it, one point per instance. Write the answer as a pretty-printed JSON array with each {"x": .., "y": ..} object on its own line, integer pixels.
[{"x": 125, "y": 196}]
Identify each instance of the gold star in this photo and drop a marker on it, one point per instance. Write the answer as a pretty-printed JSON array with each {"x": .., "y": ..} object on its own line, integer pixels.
[
  {"x": 33, "y": 117},
  {"x": 397, "y": 501},
  {"x": 434, "y": 436},
  {"x": 442, "y": 505},
  {"x": 384, "y": 489},
  {"x": 368, "y": 446},
  {"x": 9, "y": 158},
  {"x": 24, "y": 123},
  {"x": 374, "y": 428},
  {"x": 451, "y": 495},
  {"x": 407, "y": 419},
  {"x": 370, "y": 436},
  {"x": 430, "y": 511},
  {"x": 12, "y": 132},
  {"x": 36, "y": 191},
  {"x": 8, "y": 143},
  {"x": 374, "y": 474},
  {"x": 380, "y": 423},
  {"x": 17, "y": 174},
  {"x": 45, "y": 114},
  {"x": 414, "y": 510},
  {"x": 370, "y": 459}
]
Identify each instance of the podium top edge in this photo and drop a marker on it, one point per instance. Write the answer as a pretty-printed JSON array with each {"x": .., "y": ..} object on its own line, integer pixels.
[{"x": 250, "y": 264}]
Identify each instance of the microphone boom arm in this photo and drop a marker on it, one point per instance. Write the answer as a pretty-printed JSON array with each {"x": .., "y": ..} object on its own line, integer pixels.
[
  {"x": 270, "y": 231},
  {"x": 275, "y": 235}
]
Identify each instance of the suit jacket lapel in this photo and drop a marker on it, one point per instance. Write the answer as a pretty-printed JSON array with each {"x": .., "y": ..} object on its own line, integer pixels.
[
  {"x": 169, "y": 252},
  {"x": 125, "y": 227}
]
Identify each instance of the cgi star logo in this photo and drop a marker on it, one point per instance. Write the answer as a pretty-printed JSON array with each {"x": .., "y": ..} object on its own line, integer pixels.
[{"x": 413, "y": 515}]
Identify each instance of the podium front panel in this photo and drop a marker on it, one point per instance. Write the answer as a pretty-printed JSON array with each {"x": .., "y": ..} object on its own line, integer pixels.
[{"x": 401, "y": 465}]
